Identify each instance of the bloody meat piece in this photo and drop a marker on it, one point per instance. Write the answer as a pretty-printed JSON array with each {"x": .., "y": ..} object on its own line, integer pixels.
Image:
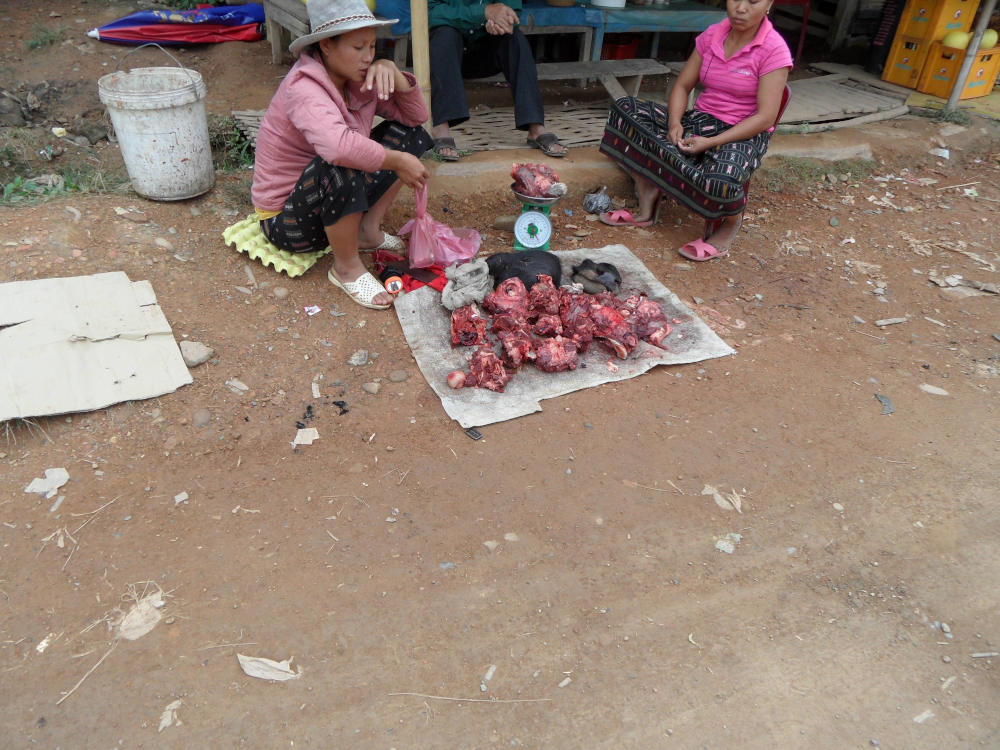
[
  {"x": 612, "y": 330},
  {"x": 533, "y": 180},
  {"x": 486, "y": 370},
  {"x": 548, "y": 325},
  {"x": 508, "y": 322},
  {"x": 647, "y": 319},
  {"x": 517, "y": 343},
  {"x": 544, "y": 297},
  {"x": 574, "y": 311},
  {"x": 556, "y": 354},
  {"x": 510, "y": 296},
  {"x": 517, "y": 347},
  {"x": 468, "y": 327}
]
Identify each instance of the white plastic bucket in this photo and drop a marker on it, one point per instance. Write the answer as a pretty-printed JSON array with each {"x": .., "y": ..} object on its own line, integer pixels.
[{"x": 159, "y": 119}]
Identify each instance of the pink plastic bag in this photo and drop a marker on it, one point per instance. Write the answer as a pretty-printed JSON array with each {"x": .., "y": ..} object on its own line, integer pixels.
[{"x": 434, "y": 243}]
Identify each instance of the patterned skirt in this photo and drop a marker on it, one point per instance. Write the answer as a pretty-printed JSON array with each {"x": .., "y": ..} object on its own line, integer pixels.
[
  {"x": 326, "y": 193},
  {"x": 710, "y": 183}
]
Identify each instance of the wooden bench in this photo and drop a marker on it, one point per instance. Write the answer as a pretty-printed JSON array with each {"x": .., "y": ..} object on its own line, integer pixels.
[
  {"x": 289, "y": 19},
  {"x": 619, "y": 77}
]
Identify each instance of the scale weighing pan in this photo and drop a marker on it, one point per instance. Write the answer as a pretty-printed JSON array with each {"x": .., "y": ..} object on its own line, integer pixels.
[{"x": 531, "y": 200}]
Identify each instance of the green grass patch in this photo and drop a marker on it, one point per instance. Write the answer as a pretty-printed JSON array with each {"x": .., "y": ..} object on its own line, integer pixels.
[
  {"x": 231, "y": 149},
  {"x": 43, "y": 37},
  {"x": 34, "y": 167},
  {"x": 957, "y": 116},
  {"x": 793, "y": 173}
]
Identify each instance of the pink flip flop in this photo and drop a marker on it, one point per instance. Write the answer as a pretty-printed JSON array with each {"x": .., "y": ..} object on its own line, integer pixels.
[
  {"x": 622, "y": 217},
  {"x": 700, "y": 250}
]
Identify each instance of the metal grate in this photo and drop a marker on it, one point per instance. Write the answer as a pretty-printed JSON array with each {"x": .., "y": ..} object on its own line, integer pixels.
[{"x": 493, "y": 129}]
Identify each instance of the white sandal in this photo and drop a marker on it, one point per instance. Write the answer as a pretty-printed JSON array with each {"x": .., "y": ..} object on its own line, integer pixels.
[
  {"x": 390, "y": 242},
  {"x": 362, "y": 290}
]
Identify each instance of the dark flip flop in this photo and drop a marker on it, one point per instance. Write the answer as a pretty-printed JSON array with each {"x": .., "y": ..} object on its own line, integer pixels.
[
  {"x": 545, "y": 142},
  {"x": 442, "y": 143}
]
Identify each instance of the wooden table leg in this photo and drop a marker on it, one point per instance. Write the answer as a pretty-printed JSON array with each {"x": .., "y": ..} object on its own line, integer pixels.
[{"x": 274, "y": 37}]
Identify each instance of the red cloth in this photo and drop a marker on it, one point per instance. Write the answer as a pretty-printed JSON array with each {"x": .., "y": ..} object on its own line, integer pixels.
[{"x": 384, "y": 259}]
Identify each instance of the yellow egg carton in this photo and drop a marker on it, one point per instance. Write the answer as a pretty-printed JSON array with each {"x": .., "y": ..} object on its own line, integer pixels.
[
  {"x": 248, "y": 238},
  {"x": 940, "y": 72}
]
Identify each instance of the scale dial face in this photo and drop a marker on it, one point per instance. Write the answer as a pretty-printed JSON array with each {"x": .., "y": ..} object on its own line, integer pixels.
[{"x": 532, "y": 229}]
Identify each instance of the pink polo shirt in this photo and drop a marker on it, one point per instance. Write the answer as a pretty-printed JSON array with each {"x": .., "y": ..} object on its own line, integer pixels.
[
  {"x": 730, "y": 91},
  {"x": 308, "y": 116}
]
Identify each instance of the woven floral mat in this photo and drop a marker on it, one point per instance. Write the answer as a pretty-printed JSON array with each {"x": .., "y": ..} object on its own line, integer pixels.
[{"x": 493, "y": 129}]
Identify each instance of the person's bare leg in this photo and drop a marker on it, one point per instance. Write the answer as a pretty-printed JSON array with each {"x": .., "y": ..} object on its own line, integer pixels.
[
  {"x": 443, "y": 131},
  {"x": 725, "y": 233},
  {"x": 370, "y": 231},
  {"x": 347, "y": 265},
  {"x": 649, "y": 198},
  {"x": 536, "y": 129}
]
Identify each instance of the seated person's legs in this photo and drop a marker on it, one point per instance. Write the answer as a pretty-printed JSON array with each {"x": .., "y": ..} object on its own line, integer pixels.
[
  {"x": 325, "y": 208},
  {"x": 511, "y": 55},
  {"x": 448, "y": 103}
]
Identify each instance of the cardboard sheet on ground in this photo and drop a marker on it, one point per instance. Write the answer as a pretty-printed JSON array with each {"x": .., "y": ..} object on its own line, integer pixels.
[
  {"x": 427, "y": 327},
  {"x": 82, "y": 343}
]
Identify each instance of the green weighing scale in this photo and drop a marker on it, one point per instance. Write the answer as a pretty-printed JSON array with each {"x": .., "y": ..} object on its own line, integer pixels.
[{"x": 533, "y": 228}]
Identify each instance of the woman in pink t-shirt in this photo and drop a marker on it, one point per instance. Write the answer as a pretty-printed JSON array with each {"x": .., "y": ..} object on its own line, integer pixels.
[{"x": 703, "y": 157}]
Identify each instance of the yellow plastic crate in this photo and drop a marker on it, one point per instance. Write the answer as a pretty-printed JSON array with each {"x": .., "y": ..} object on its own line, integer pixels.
[
  {"x": 943, "y": 64},
  {"x": 905, "y": 61},
  {"x": 932, "y": 19}
]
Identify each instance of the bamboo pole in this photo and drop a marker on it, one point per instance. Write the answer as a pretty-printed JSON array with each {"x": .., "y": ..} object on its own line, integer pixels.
[
  {"x": 421, "y": 48},
  {"x": 971, "y": 50}
]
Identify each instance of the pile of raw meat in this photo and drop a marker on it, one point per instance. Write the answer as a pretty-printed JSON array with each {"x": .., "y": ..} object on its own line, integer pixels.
[
  {"x": 549, "y": 328},
  {"x": 536, "y": 181}
]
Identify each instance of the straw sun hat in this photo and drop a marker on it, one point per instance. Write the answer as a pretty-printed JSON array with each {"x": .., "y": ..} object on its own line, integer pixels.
[{"x": 334, "y": 17}]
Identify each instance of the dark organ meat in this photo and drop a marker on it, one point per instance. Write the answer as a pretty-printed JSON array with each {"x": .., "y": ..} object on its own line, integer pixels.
[
  {"x": 510, "y": 296},
  {"x": 555, "y": 354},
  {"x": 533, "y": 180},
  {"x": 468, "y": 327},
  {"x": 486, "y": 370}
]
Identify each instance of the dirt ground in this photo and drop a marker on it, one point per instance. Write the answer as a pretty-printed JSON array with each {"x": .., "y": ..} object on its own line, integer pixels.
[{"x": 849, "y": 614}]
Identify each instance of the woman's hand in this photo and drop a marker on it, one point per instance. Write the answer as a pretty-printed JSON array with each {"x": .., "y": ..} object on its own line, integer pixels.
[
  {"x": 408, "y": 168},
  {"x": 694, "y": 144},
  {"x": 675, "y": 134},
  {"x": 382, "y": 76}
]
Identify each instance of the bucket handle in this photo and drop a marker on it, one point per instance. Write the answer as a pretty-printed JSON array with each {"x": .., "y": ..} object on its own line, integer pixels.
[{"x": 194, "y": 84}]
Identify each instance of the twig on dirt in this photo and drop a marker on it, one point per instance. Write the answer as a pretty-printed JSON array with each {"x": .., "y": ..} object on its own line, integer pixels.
[
  {"x": 692, "y": 641},
  {"x": 75, "y": 548},
  {"x": 795, "y": 307},
  {"x": 92, "y": 514},
  {"x": 227, "y": 645},
  {"x": 762, "y": 264},
  {"x": 964, "y": 184},
  {"x": 636, "y": 485},
  {"x": 675, "y": 487},
  {"x": 985, "y": 655},
  {"x": 476, "y": 700},
  {"x": 89, "y": 672},
  {"x": 335, "y": 540},
  {"x": 402, "y": 477},
  {"x": 872, "y": 336}
]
